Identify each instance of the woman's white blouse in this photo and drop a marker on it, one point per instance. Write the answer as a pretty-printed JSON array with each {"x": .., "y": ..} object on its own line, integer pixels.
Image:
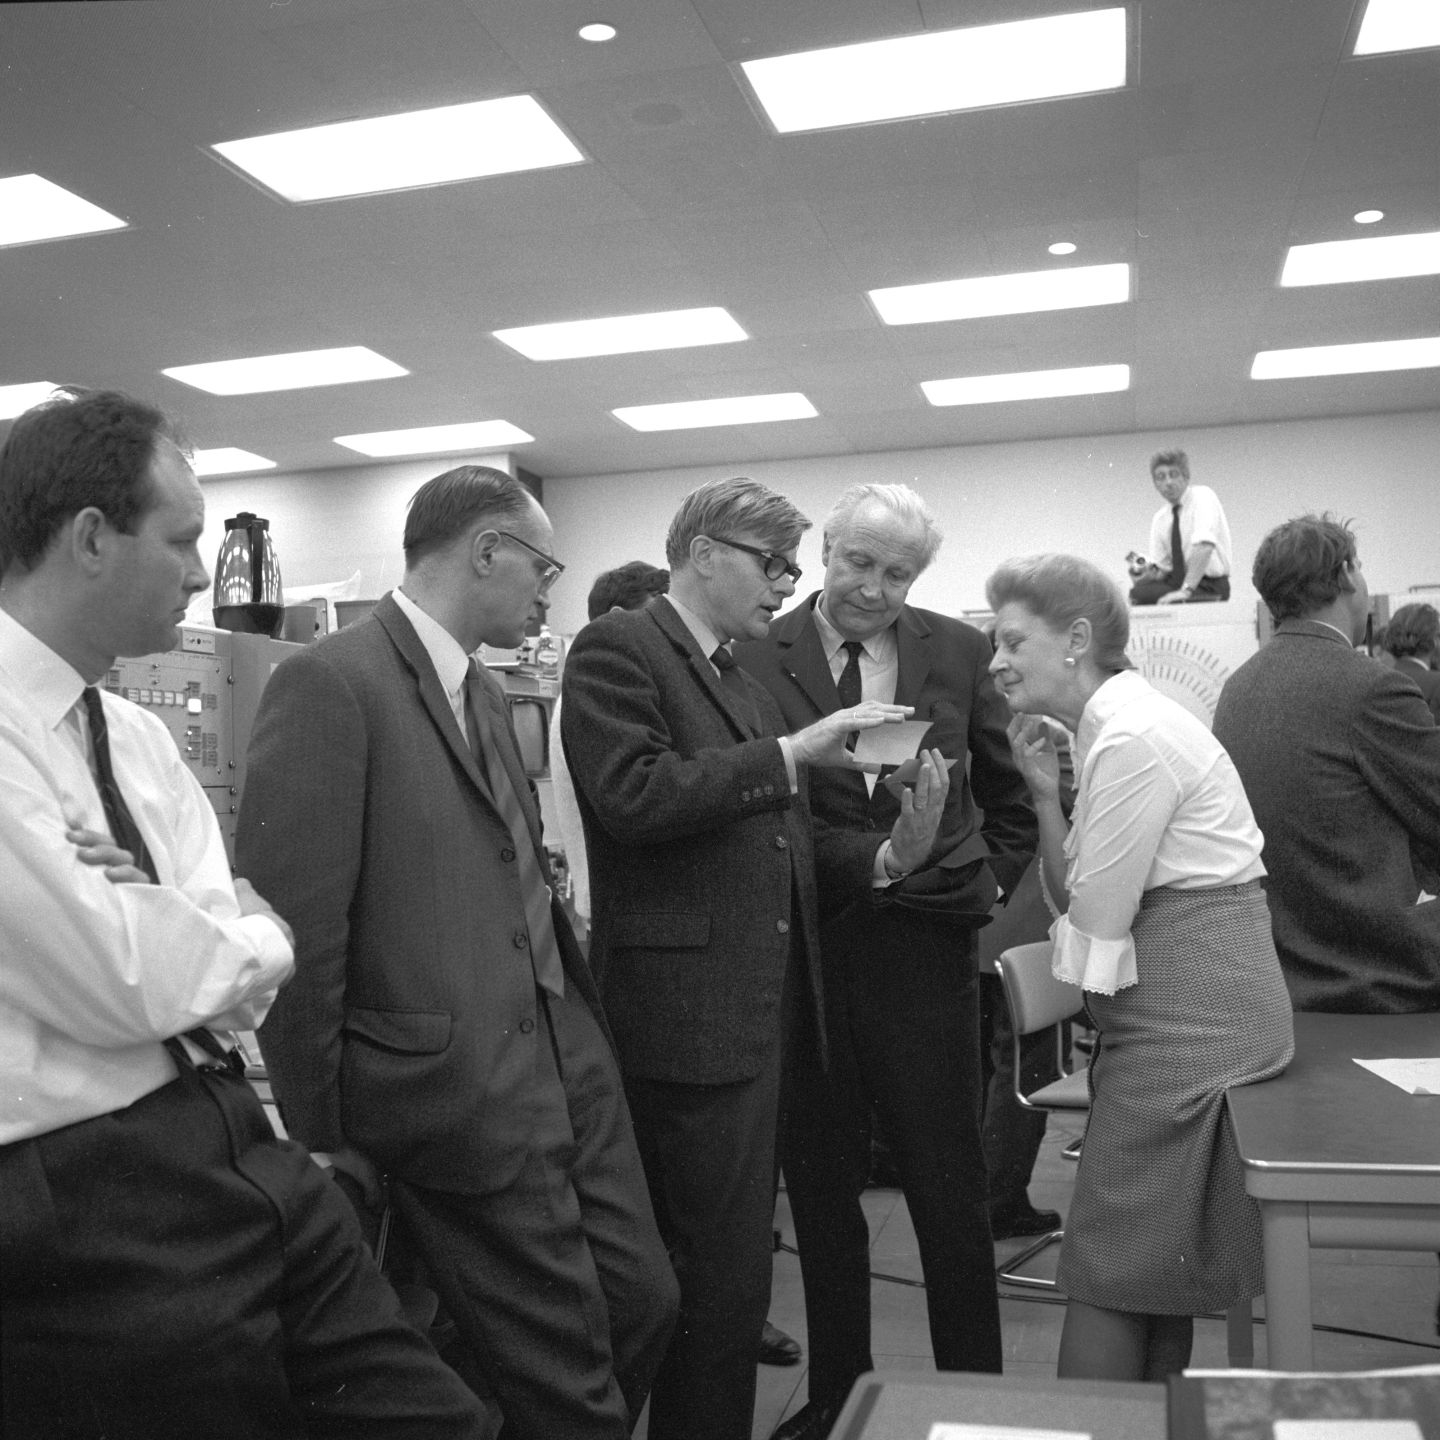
[{"x": 1158, "y": 802}]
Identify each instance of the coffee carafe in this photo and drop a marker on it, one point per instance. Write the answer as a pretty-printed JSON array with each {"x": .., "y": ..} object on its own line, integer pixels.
[{"x": 248, "y": 595}]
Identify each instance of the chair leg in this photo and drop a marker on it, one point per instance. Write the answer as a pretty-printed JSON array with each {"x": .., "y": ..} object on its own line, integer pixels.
[
  {"x": 1008, "y": 1271},
  {"x": 1240, "y": 1336}
]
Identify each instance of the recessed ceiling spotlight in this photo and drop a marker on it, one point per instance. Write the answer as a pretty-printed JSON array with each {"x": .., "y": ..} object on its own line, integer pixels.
[
  {"x": 1062, "y": 247},
  {"x": 1369, "y": 217},
  {"x": 596, "y": 34}
]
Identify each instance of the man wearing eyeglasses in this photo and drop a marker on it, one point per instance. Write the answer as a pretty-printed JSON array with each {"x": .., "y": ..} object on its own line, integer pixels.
[
  {"x": 901, "y": 997},
  {"x": 703, "y": 895},
  {"x": 442, "y": 1028}
]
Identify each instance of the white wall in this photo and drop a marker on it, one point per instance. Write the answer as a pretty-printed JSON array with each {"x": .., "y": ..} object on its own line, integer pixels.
[{"x": 1090, "y": 495}]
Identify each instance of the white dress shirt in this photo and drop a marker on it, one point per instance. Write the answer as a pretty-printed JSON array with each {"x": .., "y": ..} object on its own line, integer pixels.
[
  {"x": 1158, "y": 802},
  {"x": 94, "y": 975},
  {"x": 1202, "y": 522},
  {"x": 452, "y": 664}
]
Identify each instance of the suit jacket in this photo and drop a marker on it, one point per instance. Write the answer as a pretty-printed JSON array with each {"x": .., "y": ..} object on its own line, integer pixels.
[
  {"x": 700, "y": 860},
  {"x": 944, "y": 674},
  {"x": 1426, "y": 680},
  {"x": 409, "y": 1029},
  {"x": 1341, "y": 761}
]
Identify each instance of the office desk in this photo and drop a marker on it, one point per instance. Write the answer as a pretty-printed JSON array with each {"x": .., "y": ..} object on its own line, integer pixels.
[
  {"x": 1337, "y": 1157},
  {"x": 896, "y": 1405}
]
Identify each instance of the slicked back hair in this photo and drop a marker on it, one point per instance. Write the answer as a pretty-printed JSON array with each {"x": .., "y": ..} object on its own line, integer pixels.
[
  {"x": 1412, "y": 631},
  {"x": 1300, "y": 566},
  {"x": 631, "y": 587},
  {"x": 1178, "y": 458},
  {"x": 78, "y": 449},
  {"x": 443, "y": 509},
  {"x": 1062, "y": 589},
  {"x": 900, "y": 500},
  {"x": 727, "y": 508}
]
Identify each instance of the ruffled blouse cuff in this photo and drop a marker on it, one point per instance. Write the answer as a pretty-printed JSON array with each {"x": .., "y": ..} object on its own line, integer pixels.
[{"x": 1103, "y": 966}]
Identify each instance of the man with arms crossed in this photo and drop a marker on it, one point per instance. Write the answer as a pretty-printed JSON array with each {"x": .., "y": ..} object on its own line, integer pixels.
[
  {"x": 704, "y": 940},
  {"x": 442, "y": 1026},
  {"x": 899, "y": 954},
  {"x": 1340, "y": 757},
  {"x": 167, "y": 1267}
]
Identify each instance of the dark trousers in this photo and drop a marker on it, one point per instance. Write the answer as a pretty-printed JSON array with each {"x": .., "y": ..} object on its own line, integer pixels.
[
  {"x": 1011, "y": 1135},
  {"x": 559, "y": 1283},
  {"x": 709, "y": 1153},
  {"x": 1210, "y": 587},
  {"x": 173, "y": 1270},
  {"x": 901, "y": 1019}
]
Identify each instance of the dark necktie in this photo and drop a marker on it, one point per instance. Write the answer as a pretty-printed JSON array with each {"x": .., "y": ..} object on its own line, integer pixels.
[
  {"x": 539, "y": 933},
  {"x": 849, "y": 684},
  {"x": 1177, "y": 550},
  {"x": 126, "y": 834},
  {"x": 733, "y": 684}
]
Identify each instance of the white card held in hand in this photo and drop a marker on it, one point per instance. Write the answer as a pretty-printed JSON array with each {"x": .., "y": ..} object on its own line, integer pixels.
[{"x": 891, "y": 744}]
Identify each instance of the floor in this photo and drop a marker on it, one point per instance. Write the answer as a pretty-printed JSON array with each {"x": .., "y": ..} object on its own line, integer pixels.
[{"x": 1386, "y": 1292}]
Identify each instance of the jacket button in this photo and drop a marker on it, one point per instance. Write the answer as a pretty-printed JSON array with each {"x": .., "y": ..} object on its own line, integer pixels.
[
  {"x": 869, "y": 824},
  {"x": 507, "y": 854},
  {"x": 521, "y": 939},
  {"x": 526, "y": 1025},
  {"x": 744, "y": 795},
  {"x": 783, "y": 926},
  {"x": 769, "y": 789},
  {"x": 781, "y": 843}
]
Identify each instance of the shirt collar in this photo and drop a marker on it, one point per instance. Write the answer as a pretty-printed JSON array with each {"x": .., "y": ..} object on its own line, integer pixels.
[
  {"x": 451, "y": 663},
  {"x": 50, "y": 684},
  {"x": 705, "y": 638},
  {"x": 1102, "y": 707},
  {"x": 877, "y": 647}
]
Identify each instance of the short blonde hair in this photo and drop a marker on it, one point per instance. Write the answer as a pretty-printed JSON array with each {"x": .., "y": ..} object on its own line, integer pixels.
[{"x": 1062, "y": 589}]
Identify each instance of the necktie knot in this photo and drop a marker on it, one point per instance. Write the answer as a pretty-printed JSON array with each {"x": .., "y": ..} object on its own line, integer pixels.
[{"x": 722, "y": 659}]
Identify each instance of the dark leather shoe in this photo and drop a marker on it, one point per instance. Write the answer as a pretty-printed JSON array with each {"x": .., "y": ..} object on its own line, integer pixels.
[
  {"x": 1013, "y": 1223},
  {"x": 778, "y": 1348},
  {"x": 811, "y": 1422}
]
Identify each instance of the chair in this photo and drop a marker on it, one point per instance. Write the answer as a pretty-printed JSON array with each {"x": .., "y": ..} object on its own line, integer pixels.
[{"x": 1038, "y": 1000}]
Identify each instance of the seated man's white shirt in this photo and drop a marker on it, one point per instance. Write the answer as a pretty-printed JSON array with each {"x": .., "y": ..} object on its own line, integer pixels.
[{"x": 1202, "y": 522}]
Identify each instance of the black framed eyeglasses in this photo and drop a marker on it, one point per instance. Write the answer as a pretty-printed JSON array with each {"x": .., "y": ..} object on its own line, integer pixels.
[
  {"x": 774, "y": 565},
  {"x": 553, "y": 568}
]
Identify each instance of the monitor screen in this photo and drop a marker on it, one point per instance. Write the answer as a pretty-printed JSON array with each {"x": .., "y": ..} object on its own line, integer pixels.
[{"x": 531, "y": 718}]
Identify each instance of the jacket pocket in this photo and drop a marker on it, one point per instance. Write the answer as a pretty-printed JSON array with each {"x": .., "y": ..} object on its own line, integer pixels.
[
  {"x": 660, "y": 930},
  {"x": 408, "y": 1032}
]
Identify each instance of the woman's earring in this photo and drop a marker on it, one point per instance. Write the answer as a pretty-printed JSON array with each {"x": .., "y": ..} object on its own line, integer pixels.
[{"x": 1070, "y": 660}]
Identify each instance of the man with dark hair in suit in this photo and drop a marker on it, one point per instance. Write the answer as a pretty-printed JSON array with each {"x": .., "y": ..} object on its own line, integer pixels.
[
  {"x": 1340, "y": 757},
  {"x": 442, "y": 1026},
  {"x": 168, "y": 1267},
  {"x": 899, "y": 953},
  {"x": 631, "y": 586},
  {"x": 704, "y": 940}
]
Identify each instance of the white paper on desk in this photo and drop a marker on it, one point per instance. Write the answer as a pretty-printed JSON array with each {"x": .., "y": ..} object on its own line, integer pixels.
[
  {"x": 891, "y": 744},
  {"x": 1358, "y": 1429},
  {"x": 1414, "y": 1076},
  {"x": 1002, "y": 1432}
]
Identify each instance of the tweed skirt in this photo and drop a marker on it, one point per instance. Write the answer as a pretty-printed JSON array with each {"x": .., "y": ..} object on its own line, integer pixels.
[{"x": 1160, "y": 1223}]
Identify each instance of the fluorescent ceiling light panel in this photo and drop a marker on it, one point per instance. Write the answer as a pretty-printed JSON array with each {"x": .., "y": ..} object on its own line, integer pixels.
[
  {"x": 401, "y": 152},
  {"x": 17, "y": 399},
  {"x": 227, "y": 460},
  {"x": 735, "y": 410},
  {"x": 1381, "y": 257},
  {"x": 296, "y": 371},
  {"x": 33, "y": 208},
  {"x": 1358, "y": 359},
  {"x": 1027, "y": 385},
  {"x": 624, "y": 334},
  {"x": 1059, "y": 289},
  {"x": 942, "y": 71},
  {"x": 437, "y": 439},
  {"x": 1398, "y": 25}
]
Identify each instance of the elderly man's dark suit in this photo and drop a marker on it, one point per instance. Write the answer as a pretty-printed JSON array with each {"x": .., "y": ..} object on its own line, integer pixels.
[
  {"x": 1340, "y": 758},
  {"x": 703, "y": 899},
  {"x": 901, "y": 1000},
  {"x": 413, "y": 1030}
]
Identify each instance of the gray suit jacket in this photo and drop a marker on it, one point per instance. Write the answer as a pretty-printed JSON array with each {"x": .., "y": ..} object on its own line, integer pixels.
[
  {"x": 1341, "y": 760},
  {"x": 409, "y": 1029},
  {"x": 701, "y": 874}
]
